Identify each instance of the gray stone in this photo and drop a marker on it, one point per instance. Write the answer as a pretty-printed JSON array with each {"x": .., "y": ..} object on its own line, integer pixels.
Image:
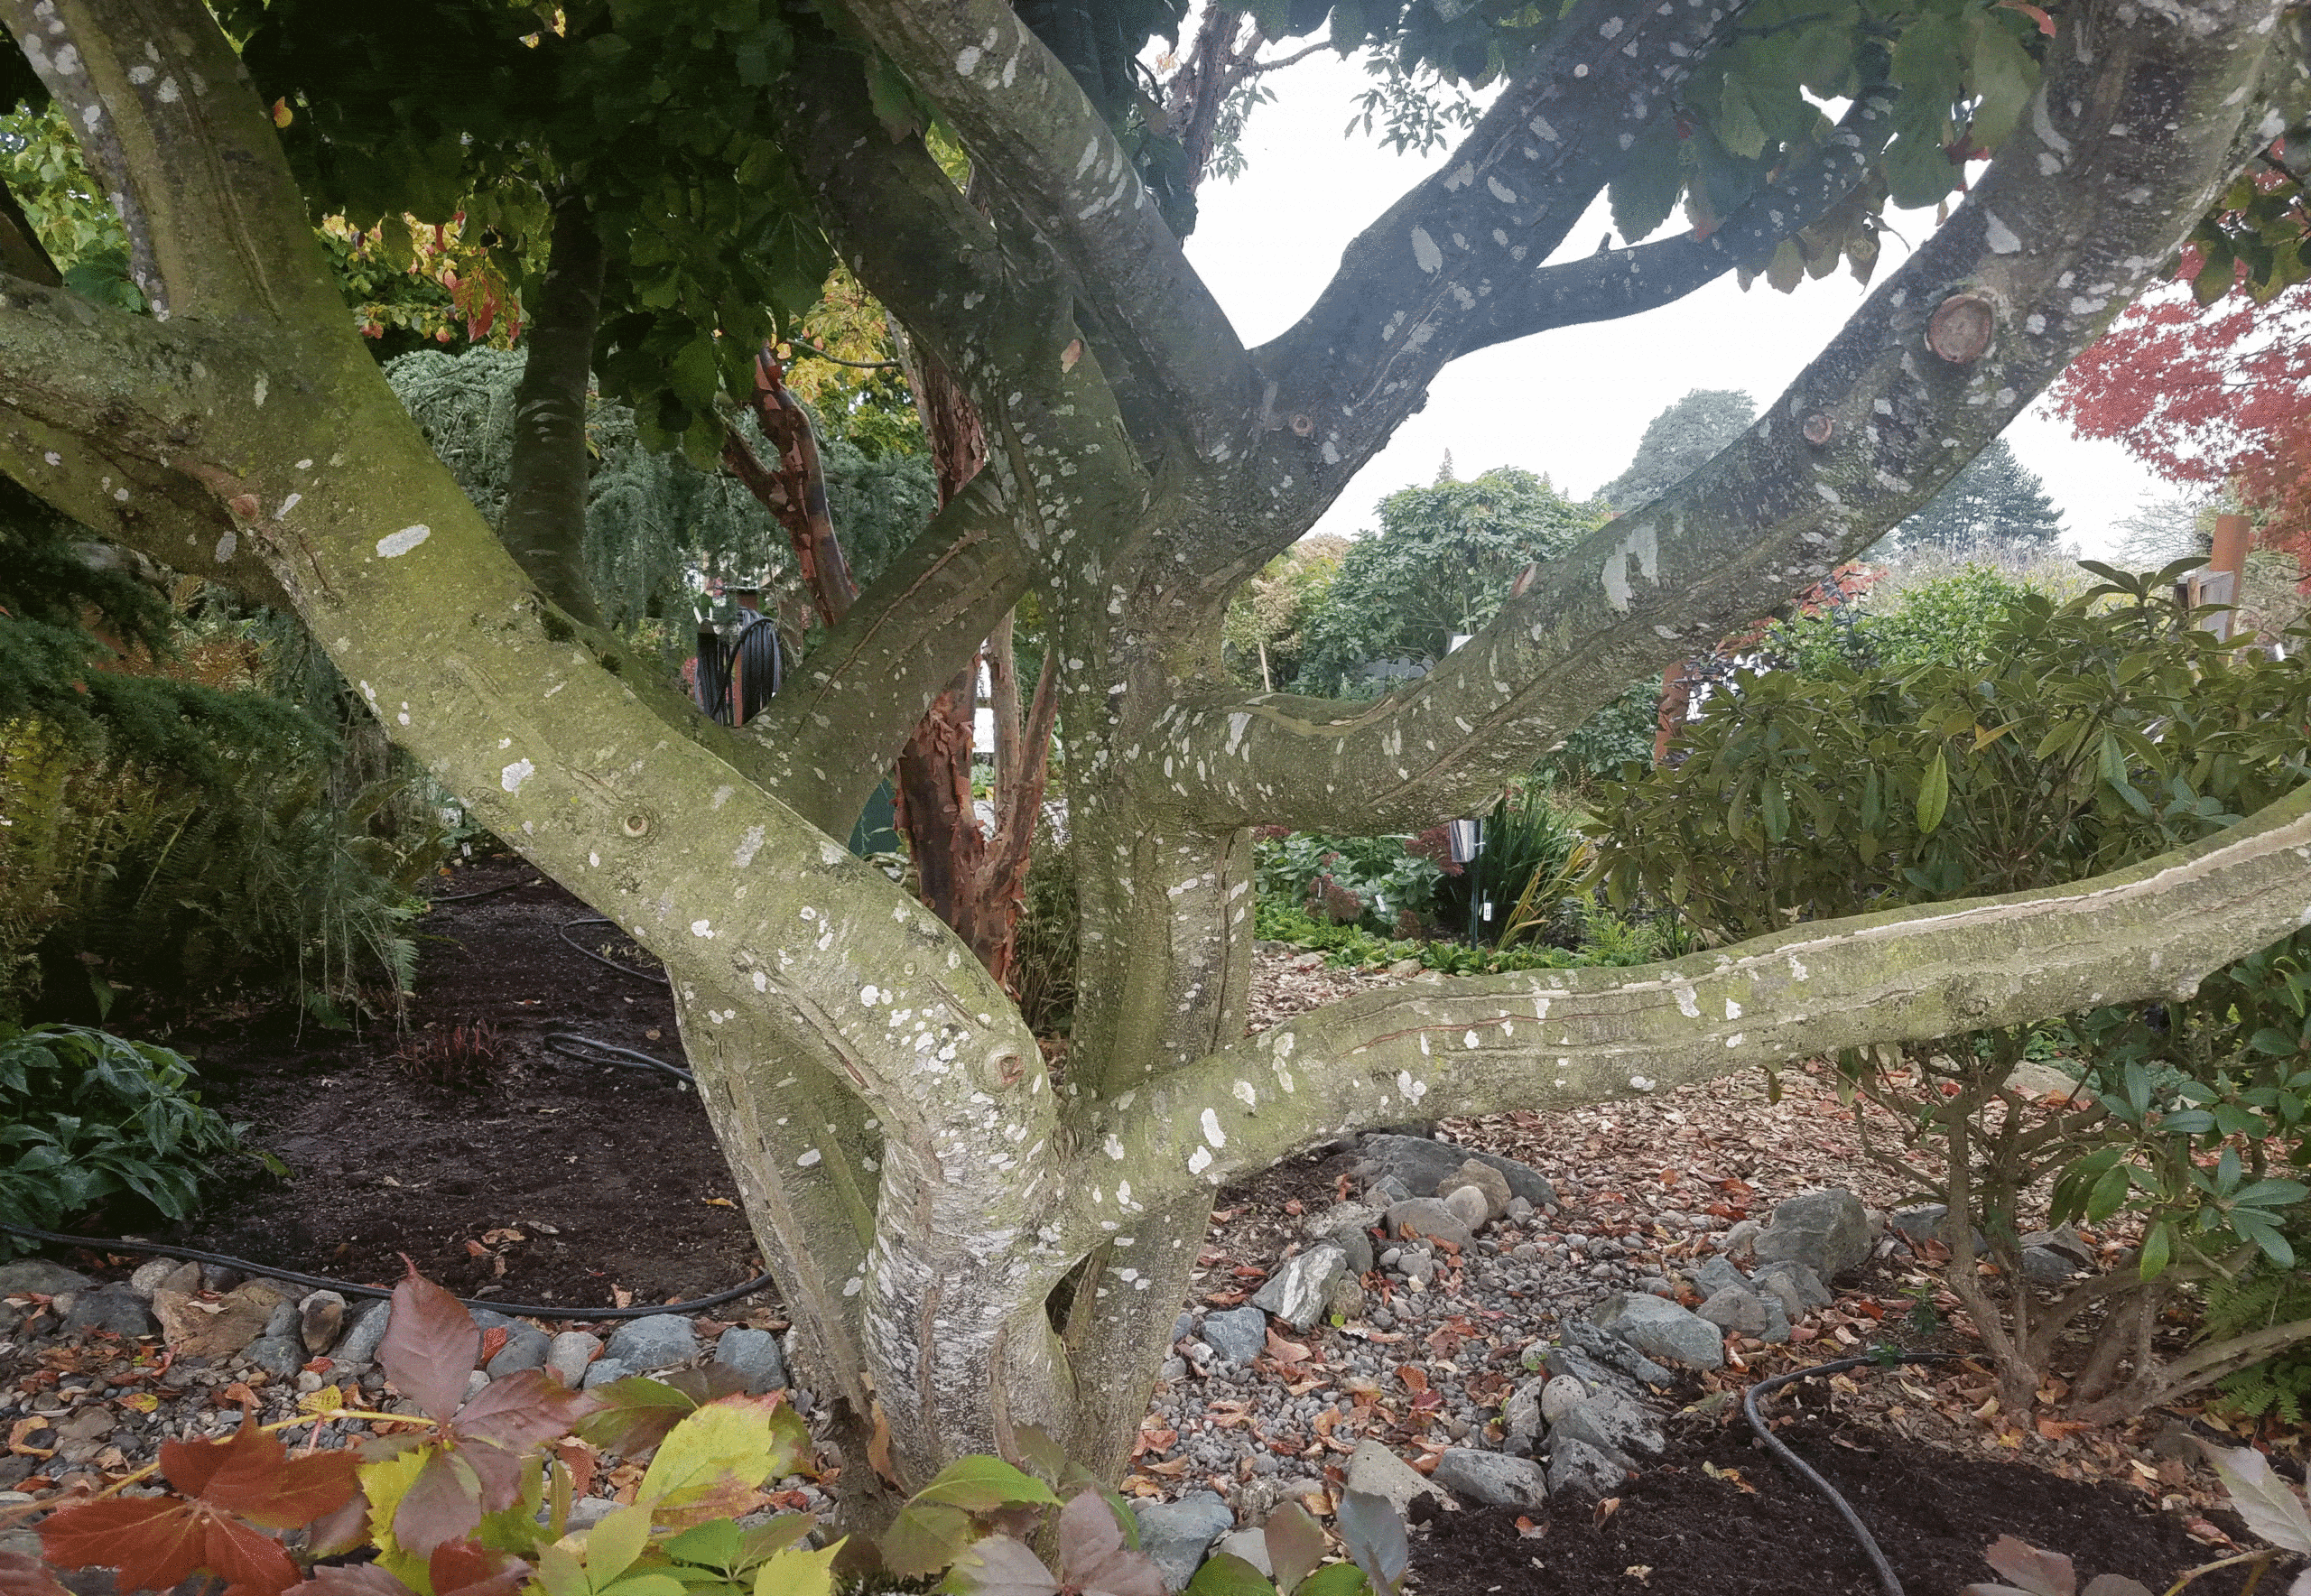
[
  {"x": 1421, "y": 1165},
  {"x": 1521, "y": 1414},
  {"x": 1346, "y": 1304},
  {"x": 1796, "y": 1288},
  {"x": 1605, "y": 1360},
  {"x": 2065, "y": 1239},
  {"x": 1612, "y": 1425},
  {"x": 1176, "y": 1534},
  {"x": 1486, "y": 1179},
  {"x": 2043, "y": 1265},
  {"x": 1826, "y": 1230},
  {"x": 1355, "y": 1244},
  {"x": 1563, "y": 1393},
  {"x": 281, "y": 1321},
  {"x": 1743, "y": 1312},
  {"x": 1387, "y": 1190},
  {"x": 659, "y": 1342},
  {"x": 569, "y": 1353},
  {"x": 1492, "y": 1478},
  {"x": 601, "y": 1371},
  {"x": 588, "y": 1511},
  {"x": 1252, "y": 1545},
  {"x": 1419, "y": 1267},
  {"x": 1239, "y": 1335},
  {"x": 1520, "y": 1208},
  {"x": 1469, "y": 1206},
  {"x": 149, "y": 1276},
  {"x": 1660, "y": 1329},
  {"x": 755, "y": 1354},
  {"x": 1298, "y": 1292},
  {"x": 526, "y": 1348},
  {"x": 1579, "y": 1468},
  {"x": 1742, "y": 1238},
  {"x": 117, "y": 1309},
  {"x": 1923, "y": 1223},
  {"x": 278, "y": 1355},
  {"x": 1375, "y": 1469},
  {"x": 320, "y": 1319},
  {"x": 39, "y": 1277},
  {"x": 477, "y": 1383},
  {"x": 1715, "y": 1275},
  {"x": 368, "y": 1328},
  {"x": 1425, "y": 1216}
]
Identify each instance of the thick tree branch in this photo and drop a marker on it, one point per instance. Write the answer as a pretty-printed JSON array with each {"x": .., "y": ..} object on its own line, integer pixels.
[
  {"x": 1031, "y": 132},
  {"x": 216, "y": 225},
  {"x": 1617, "y": 283},
  {"x": 1412, "y": 284},
  {"x": 543, "y": 521},
  {"x": 1557, "y": 1038},
  {"x": 1865, "y": 435}
]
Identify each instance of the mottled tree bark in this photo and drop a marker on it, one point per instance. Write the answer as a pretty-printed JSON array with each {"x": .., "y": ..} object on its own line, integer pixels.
[{"x": 543, "y": 521}]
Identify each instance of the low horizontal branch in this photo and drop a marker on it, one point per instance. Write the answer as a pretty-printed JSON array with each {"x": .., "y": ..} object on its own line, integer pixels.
[{"x": 1543, "y": 1039}]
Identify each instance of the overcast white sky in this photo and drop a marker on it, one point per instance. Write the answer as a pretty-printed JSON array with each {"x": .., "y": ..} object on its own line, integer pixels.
[{"x": 1571, "y": 404}]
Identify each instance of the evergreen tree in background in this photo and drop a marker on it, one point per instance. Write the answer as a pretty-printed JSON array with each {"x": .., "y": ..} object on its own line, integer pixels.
[
  {"x": 1681, "y": 438},
  {"x": 1996, "y": 501},
  {"x": 1441, "y": 563}
]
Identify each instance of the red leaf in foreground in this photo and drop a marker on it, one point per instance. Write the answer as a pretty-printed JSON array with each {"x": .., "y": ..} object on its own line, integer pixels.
[
  {"x": 431, "y": 1345},
  {"x": 461, "y": 1568},
  {"x": 154, "y": 1542},
  {"x": 26, "y": 1576},
  {"x": 252, "y": 1474},
  {"x": 443, "y": 1503},
  {"x": 522, "y": 1410},
  {"x": 354, "y": 1579}
]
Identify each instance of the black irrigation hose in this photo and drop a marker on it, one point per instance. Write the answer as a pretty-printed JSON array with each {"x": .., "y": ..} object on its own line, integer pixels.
[
  {"x": 653, "y": 976},
  {"x": 466, "y": 897},
  {"x": 569, "y": 1043},
  {"x": 1887, "y": 1580},
  {"x": 351, "y": 1288}
]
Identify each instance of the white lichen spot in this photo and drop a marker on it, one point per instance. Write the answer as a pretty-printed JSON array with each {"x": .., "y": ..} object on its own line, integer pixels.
[
  {"x": 1113, "y": 1146},
  {"x": 1246, "y": 1095},
  {"x": 762, "y": 981},
  {"x": 1198, "y": 1162},
  {"x": 703, "y": 929},
  {"x": 1687, "y": 1004},
  {"x": 394, "y": 544},
  {"x": 2000, "y": 238},
  {"x": 1636, "y": 1083},
  {"x": 511, "y": 777},
  {"x": 1211, "y": 1131},
  {"x": 1424, "y": 252},
  {"x": 226, "y": 544},
  {"x": 1733, "y": 1009},
  {"x": 1735, "y": 1040},
  {"x": 1470, "y": 1040},
  {"x": 749, "y": 845},
  {"x": 871, "y": 994},
  {"x": 967, "y": 61}
]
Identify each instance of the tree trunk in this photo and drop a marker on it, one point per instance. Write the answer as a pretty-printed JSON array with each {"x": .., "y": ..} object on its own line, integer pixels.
[{"x": 543, "y": 521}]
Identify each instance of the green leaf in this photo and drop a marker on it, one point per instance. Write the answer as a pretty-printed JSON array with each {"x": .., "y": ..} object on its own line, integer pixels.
[
  {"x": 983, "y": 1485},
  {"x": 1933, "y": 793},
  {"x": 1337, "y": 1579},
  {"x": 613, "y": 1545},
  {"x": 694, "y": 375},
  {"x": 1230, "y": 1575},
  {"x": 923, "y": 1538},
  {"x": 560, "y": 1573},
  {"x": 1737, "y": 128},
  {"x": 728, "y": 1439},
  {"x": 2003, "y": 74},
  {"x": 1919, "y": 172},
  {"x": 643, "y": 1584},
  {"x": 717, "y": 1542},
  {"x": 2157, "y": 1249},
  {"x": 798, "y": 1573},
  {"x": 1644, "y": 192}
]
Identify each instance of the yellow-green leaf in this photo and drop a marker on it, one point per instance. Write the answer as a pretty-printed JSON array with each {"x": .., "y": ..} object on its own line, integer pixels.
[
  {"x": 798, "y": 1573},
  {"x": 1933, "y": 795},
  {"x": 613, "y": 1545},
  {"x": 726, "y": 1439}
]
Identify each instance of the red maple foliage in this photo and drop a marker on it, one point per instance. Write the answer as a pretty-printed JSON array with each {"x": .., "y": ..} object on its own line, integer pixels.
[{"x": 2209, "y": 394}]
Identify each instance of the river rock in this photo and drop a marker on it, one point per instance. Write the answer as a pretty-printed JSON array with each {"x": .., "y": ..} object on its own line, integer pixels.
[
  {"x": 660, "y": 1341},
  {"x": 526, "y": 1348},
  {"x": 2043, "y": 1265},
  {"x": 1563, "y": 1393},
  {"x": 39, "y": 1277},
  {"x": 1716, "y": 1274},
  {"x": 601, "y": 1371},
  {"x": 1469, "y": 1206},
  {"x": 1176, "y": 1534},
  {"x": 1578, "y": 1469},
  {"x": 1492, "y": 1478},
  {"x": 320, "y": 1319},
  {"x": 198, "y": 1328},
  {"x": 1660, "y": 1328},
  {"x": 1748, "y": 1312},
  {"x": 1425, "y": 1216},
  {"x": 755, "y": 1354},
  {"x": 1300, "y": 1292},
  {"x": 1827, "y": 1230},
  {"x": 1421, "y": 1165},
  {"x": 1608, "y": 1360},
  {"x": 281, "y": 1356},
  {"x": 1796, "y": 1288},
  {"x": 1614, "y": 1425},
  {"x": 1239, "y": 1334},
  {"x": 1488, "y": 1180},
  {"x": 1374, "y": 1469},
  {"x": 149, "y": 1274},
  {"x": 114, "y": 1309},
  {"x": 569, "y": 1353},
  {"x": 366, "y": 1329}
]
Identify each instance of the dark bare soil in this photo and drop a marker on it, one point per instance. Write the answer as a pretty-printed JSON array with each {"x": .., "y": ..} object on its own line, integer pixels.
[
  {"x": 1756, "y": 1530},
  {"x": 411, "y": 1139}
]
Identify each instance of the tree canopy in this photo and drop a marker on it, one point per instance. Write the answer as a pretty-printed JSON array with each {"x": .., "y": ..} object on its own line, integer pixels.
[
  {"x": 964, "y": 1248},
  {"x": 1995, "y": 502},
  {"x": 1679, "y": 442}
]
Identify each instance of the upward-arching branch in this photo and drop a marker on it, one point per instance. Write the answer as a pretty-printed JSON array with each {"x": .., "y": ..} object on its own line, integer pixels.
[{"x": 1866, "y": 435}]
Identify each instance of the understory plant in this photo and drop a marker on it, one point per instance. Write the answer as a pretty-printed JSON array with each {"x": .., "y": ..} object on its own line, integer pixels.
[
  {"x": 85, "y": 1116},
  {"x": 473, "y": 1496},
  {"x": 2064, "y": 741}
]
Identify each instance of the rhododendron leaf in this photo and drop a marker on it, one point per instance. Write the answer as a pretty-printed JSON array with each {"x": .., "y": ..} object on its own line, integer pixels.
[{"x": 430, "y": 1347}]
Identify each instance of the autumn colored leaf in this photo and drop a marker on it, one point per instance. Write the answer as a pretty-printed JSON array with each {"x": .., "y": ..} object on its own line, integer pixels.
[
  {"x": 443, "y": 1503},
  {"x": 1092, "y": 1556},
  {"x": 1415, "y": 1377},
  {"x": 21, "y": 1575},
  {"x": 430, "y": 1347},
  {"x": 634, "y": 1414},
  {"x": 251, "y": 1474},
  {"x": 155, "y": 1542}
]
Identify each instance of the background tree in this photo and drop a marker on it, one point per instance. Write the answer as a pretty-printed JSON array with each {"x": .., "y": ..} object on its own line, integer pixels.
[
  {"x": 964, "y": 1250},
  {"x": 1268, "y": 617},
  {"x": 1995, "y": 504},
  {"x": 1678, "y": 442},
  {"x": 1440, "y": 562}
]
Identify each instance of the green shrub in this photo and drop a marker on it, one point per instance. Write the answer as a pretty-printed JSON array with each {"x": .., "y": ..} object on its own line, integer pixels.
[
  {"x": 85, "y": 1116},
  {"x": 1383, "y": 884},
  {"x": 2060, "y": 742},
  {"x": 1042, "y": 955}
]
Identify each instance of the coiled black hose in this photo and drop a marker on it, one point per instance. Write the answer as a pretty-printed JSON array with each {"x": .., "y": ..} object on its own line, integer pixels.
[
  {"x": 652, "y": 975},
  {"x": 570, "y": 1045},
  {"x": 1887, "y": 1579}
]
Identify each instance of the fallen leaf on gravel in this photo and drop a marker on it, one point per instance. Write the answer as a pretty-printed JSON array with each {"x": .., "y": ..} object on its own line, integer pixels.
[
  {"x": 24, "y": 1427},
  {"x": 1415, "y": 1377},
  {"x": 1286, "y": 1353}
]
